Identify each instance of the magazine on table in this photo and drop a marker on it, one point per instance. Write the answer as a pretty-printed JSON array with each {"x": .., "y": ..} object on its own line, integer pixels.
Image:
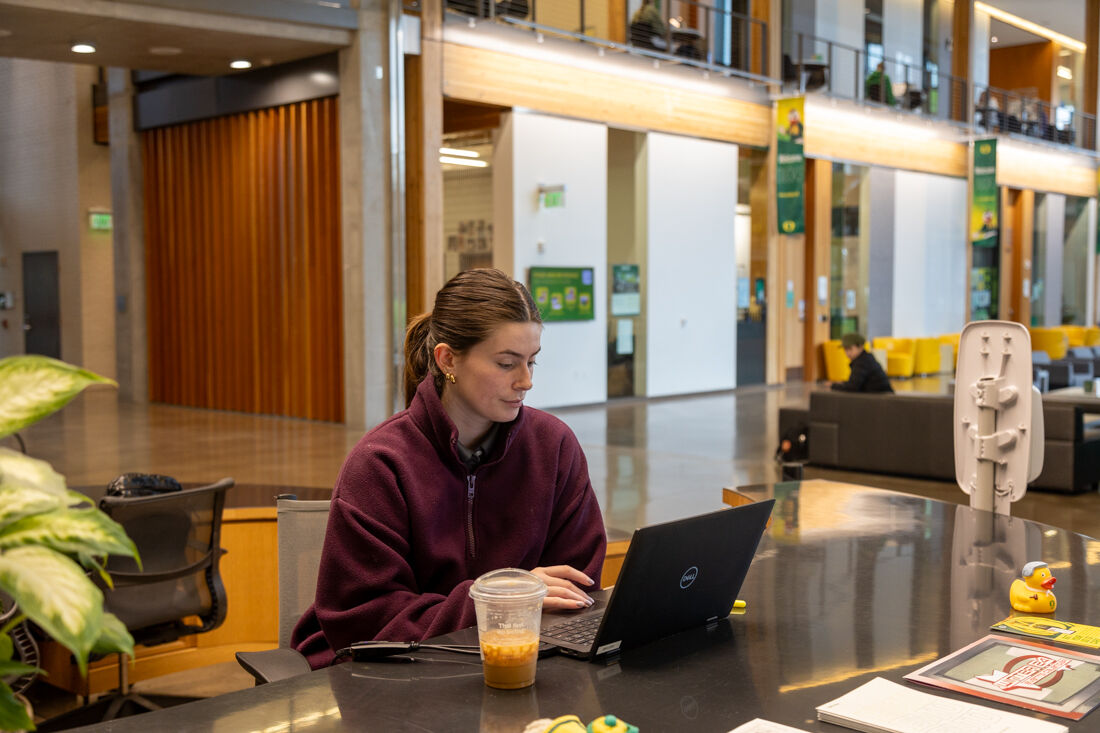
[{"x": 1020, "y": 672}]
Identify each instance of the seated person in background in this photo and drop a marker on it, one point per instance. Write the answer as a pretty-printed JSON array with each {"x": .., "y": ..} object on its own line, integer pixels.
[
  {"x": 647, "y": 27},
  {"x": 879, "y": 87},
  {"x": 987, "y": 113},
  {"x": 867, "y": 374},
  {"x": 465, "y": 480}
]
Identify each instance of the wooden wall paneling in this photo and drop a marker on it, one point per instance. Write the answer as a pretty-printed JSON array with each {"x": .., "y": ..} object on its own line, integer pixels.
[
  {"x": 244, "y": 300},
  {"x": 1092, "y": 60},
  {"x": 1023, "y": 67},
  {"x": 1007, "y": 302},
  {"x": 415, "y": 298},
  {"x": 493, "y": 77}
]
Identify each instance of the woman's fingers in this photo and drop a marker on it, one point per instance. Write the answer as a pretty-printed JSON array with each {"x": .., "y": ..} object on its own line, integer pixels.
[
  {"x": 561, "y": 592},
  {"x": 567, "y": 572}
]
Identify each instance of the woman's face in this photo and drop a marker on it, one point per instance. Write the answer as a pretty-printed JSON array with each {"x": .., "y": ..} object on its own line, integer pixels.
[{"x": 491, "y": 378}]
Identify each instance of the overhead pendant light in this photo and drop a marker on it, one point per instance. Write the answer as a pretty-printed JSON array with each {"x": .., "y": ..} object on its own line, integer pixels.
[
  {"x": 82, "y": 48},
  {"x": 240, "y": 64},
  {"x": 460, "y": 153},
  {"x": 463, "y": 161}
]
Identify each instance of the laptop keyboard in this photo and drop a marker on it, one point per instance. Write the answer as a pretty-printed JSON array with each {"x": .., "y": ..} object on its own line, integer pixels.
[{"x": 580, "y": 630}]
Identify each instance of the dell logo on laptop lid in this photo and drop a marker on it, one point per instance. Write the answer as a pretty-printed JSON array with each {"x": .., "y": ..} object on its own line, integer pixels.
[{"x": 689, "y": 576}]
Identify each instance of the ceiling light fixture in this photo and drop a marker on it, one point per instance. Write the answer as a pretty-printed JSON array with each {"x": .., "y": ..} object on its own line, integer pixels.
[
  {"x": 460, "y": 153},
  {"x": 240, "y": 64},
  {"x": 82, "y": 48},
  {"x": 993, "y": 39},
  {"x": 1065, "y": 73},
  {"x": 165, "y": 51},
  {"x": 1027, "y": 25},
  {"x": 463, "y": 161}
]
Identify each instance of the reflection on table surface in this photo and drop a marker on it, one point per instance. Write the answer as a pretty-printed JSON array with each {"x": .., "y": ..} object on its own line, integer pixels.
[{"x": 849, "y": 583}]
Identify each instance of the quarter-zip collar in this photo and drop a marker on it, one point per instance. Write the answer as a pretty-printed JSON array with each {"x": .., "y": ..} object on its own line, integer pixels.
[{"x": 427, "y": 413}]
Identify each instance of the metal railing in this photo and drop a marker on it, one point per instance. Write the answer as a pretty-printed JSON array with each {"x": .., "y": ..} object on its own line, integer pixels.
[
  {"x": 1001, "y": 111},
  {"x": 817, "y": 64},
  {"x": 702, "y": 35}
]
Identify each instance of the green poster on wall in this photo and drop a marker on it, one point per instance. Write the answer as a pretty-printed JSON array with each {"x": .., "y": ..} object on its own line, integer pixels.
[
  {"x": 790, "y": 166},
  {"x": 562, "y": 293},
  {"x": 985, "y": 198}
]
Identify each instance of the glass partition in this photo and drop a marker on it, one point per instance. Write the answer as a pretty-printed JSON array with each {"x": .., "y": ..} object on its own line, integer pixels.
[
  {"x": 1039, "y": 260},
  {"x": 1075, "y": 254},
  {"x": 849, "y": 259}
]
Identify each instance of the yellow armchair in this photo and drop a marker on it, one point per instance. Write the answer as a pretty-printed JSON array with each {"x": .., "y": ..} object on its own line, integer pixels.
[
  {"x": 1092, "y": 336},
  {"x": 899, "y": 355},
  {"x": 1053, "y": 341},
  {"x": 926, "y": 356},
  {"x": 837, "y": 367},
  {"x": 1075, "y": 334},
  {"x": 952, "y": 340}
]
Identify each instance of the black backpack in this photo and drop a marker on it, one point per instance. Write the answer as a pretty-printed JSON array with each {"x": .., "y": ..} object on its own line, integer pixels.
[{"x": 794, "y": 444}]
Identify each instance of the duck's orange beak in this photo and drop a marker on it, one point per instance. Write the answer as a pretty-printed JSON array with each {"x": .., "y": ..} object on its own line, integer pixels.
[{"x": 1049, "y": 582}]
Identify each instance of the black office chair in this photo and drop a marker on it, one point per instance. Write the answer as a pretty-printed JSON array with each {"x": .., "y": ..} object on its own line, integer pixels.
[{"x": 178, "y": 535}]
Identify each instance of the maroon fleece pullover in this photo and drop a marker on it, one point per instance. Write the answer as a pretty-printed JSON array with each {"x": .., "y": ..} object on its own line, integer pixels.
[{"x": 410, "y": 527}]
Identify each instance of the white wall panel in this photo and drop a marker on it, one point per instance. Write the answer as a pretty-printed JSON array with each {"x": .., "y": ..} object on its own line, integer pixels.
[
  {"x": 692, "y": 209},
  {"x": 902, "y": 37},
  {"x": 537, "y": 149},
  {"x": 930, "y": 281}
]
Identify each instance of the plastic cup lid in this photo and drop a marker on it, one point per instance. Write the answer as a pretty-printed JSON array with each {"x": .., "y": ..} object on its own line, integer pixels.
[{"x": 508, "y": 584}]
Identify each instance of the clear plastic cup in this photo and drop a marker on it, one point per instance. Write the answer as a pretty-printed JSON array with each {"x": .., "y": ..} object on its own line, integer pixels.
[{"x": 508, "y": 603}]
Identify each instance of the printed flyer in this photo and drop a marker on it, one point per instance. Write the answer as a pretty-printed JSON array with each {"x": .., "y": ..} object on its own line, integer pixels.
[{"x": 1019, "y": 672}]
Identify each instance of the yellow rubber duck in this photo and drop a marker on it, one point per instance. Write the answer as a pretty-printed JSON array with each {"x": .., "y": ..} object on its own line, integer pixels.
[{"x": 1030, "y": 593}]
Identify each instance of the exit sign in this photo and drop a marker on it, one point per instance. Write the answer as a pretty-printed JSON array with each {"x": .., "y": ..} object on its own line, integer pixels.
[
  {"x": 100, "y": 221},
  {"x": 554, "y": 199}
]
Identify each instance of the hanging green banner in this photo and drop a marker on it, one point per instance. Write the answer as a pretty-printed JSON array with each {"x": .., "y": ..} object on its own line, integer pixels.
[
  {"x": 985, "y": 198},
  {"x": 790, "y": 166}
]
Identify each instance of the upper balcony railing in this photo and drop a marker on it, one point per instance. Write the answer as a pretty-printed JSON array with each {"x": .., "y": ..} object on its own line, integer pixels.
[
  {"x": 695, "y": 34},
  {"x": 817, "y": 64}
]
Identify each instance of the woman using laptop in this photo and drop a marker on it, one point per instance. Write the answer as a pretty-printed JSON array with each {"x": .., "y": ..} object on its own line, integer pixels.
[{"x": 463, "y": 481}]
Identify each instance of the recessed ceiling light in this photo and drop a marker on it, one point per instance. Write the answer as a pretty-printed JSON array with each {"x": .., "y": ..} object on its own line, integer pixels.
[
  {"x": 993, "y": 39},
  {"x": 82, "y": 48},
  {"x": 165, "y": 51},
  {"x": 240, "y": 64}
]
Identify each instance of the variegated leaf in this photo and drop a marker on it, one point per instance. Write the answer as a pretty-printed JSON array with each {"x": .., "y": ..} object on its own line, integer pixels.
[
  {"x": 17, "y": 502},
  {"x": 70, "y": 531},
  {"x": 17, "y": 469},
  {"x": 113, "y": 637},
  {"x": 91, "y": 562},
  {"x": 10, "y": 668},
  {"x": 13, "y": 714},
  {"x": 55, "y": 593},
  {"x": 32, "y": 387},
  {"x": 76, "y": 498}
]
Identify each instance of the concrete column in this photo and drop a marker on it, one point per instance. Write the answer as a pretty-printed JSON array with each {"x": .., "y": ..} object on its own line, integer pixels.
[
  {"x": 366, "y": 184},
  {"x": 128, "y": 206}
]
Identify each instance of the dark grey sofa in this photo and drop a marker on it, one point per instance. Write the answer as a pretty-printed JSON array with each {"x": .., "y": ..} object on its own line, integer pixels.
[{"x": 911, "y": 435}]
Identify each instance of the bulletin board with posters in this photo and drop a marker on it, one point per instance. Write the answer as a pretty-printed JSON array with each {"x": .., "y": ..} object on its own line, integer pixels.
[{"x": 563, "y": 293}]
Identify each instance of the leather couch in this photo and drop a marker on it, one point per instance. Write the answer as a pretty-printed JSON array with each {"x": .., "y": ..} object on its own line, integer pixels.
[{"x": 911, "y": 434}]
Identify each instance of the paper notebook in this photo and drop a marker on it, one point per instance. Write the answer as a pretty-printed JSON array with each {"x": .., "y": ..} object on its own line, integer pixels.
[{"x": 881, "y": 706}]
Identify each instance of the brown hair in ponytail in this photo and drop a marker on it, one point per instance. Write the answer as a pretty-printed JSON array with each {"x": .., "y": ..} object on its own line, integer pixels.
[{"x": 466, "y": 311}]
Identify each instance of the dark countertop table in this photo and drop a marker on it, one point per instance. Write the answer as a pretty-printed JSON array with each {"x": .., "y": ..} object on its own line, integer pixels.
[{"x": 848, "y": 584}]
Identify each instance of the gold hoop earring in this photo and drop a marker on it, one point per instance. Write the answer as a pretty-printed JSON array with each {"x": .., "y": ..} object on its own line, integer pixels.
[{"x": 450, "y": 378}]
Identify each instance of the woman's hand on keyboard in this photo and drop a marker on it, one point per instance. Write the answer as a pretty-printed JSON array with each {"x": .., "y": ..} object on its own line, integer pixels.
[{"x": 562, "y": 593}]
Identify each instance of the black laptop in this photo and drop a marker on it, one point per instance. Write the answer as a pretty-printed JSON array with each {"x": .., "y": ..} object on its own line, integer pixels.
[{"x": 676, "y": 576}]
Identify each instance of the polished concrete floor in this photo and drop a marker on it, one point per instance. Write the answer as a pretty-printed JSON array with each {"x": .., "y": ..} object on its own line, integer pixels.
[{"x": 650, "y": 461}]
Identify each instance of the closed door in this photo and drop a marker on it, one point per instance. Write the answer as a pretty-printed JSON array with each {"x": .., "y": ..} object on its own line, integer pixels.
[{"x": 41, "y": 305}]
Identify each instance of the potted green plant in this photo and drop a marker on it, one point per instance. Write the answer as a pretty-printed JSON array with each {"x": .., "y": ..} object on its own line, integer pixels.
[{"x": 51, "y": 538}]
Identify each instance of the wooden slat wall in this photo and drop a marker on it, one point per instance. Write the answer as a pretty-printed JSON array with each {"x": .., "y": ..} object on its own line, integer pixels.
[{"x": 243, "y": 280}]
